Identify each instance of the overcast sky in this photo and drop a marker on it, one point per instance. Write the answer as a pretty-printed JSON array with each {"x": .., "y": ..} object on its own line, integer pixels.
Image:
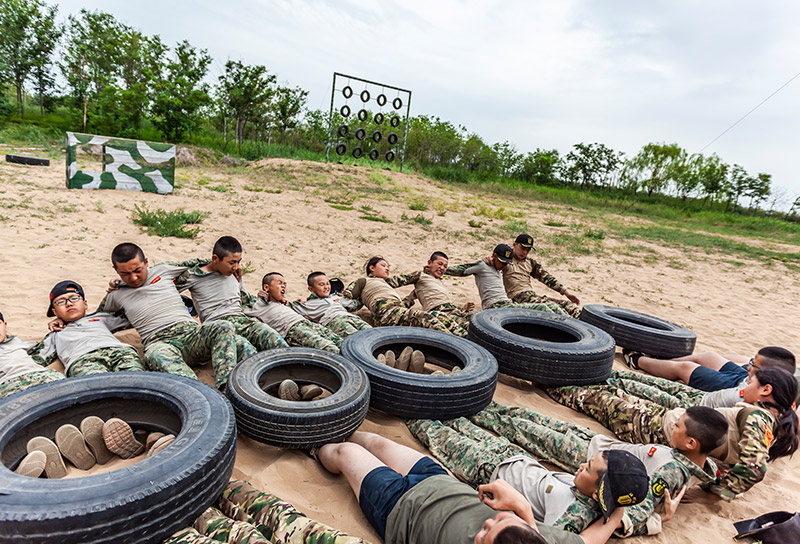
[{"x": 539, "y": 74}]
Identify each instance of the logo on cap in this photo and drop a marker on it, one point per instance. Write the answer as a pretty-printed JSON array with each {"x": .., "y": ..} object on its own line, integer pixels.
[{"x": 624, "y": 500}]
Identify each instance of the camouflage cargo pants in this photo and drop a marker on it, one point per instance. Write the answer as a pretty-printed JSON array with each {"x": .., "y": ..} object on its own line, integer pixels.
[
  {"x": 392, "y": 313},
  {"x": 170, "y": 350},
  {"x": 313, "y": 335},
  {"x": 469, "y": 452},
  {"x": 114, "y": 359},
  {"x": 456, "y": 319},
  {"x": 632, "y": 419},
  {"x": 564, "y": 444},
  {"x": 529, "y": 297},
  {"x": 29, "y": 380},
  {"x": 345, "y": 325},
  {"x": 664, "y": 392},
  {"x": 261, "y": 335},
  {"x": 551, "y": 307}
]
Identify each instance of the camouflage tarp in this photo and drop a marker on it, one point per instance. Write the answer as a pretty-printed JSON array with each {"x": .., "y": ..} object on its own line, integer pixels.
[{"x": 133, "y": 165}]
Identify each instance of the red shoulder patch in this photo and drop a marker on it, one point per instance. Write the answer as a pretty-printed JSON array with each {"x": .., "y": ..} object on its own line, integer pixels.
[
  {"x": 155, "y": 280},
  {"x": 652, "y": 451},
  {"x": 95, "y": 319},
  {"x": 768, "y": 434}
]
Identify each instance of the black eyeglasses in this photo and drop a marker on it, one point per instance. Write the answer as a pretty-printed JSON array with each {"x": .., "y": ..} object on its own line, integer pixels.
[
  {"x": 753, "y": 363},
  {"x": 63, "y": 301}
]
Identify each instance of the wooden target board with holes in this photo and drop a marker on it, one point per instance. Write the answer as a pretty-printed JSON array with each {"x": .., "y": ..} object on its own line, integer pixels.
[{"x": 368, "y": 120}]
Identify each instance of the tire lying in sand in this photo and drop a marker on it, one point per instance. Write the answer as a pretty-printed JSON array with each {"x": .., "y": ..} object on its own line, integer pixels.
[
  {"x": 266, "y": 418},
  {"x": 30, "y": 161},
  {"x": 143, "y": 502},
  {"x": 545, "y": 348},
  {"x": 641, "y": 332},
  {"x": 410, "y": 395}
]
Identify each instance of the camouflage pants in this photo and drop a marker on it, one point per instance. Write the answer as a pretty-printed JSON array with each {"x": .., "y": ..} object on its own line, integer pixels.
[
  {"x": 563, "y": 444},
  {"x": 632, "y": 419},
  {"x": 469, "y": 452},
  {"x": 170, "y": 349},
  {"x": 345, "y": 325},
  {"x": 29, "y": 380},
  {"x": 392, "y": 313},
  {"x": 456, "y": 319},
  {"x": 529, "y": 297},
  {"x": 551, "y": 307},
  {"x": 313, "y": 335},
  {"x": 261, "y": 335},
  {"x": 114, "y": 359},
  {"x": 659, "y": 390}
]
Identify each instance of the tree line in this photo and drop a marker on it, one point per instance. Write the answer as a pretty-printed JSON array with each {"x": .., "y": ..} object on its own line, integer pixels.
[{"x": 108, "y": 78}]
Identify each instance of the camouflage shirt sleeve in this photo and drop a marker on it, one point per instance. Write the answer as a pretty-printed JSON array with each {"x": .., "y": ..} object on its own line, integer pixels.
[
  {"x": 539, "y": 273},
  {"x": 642, "y": 519},
  {"x": 350, "y": 304},
  {"x": 354, "y": 289},
  {"x": 578, "y": 515},
  {"x": 403, "y": 279},
  {"x": 245, "y": 297},
  {"x": 756, "y": 438},
  {"x": 459, "y": 269},
  {"x": 43, "y": 352}
]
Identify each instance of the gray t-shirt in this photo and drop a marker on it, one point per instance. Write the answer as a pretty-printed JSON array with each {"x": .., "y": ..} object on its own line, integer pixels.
[
  {"x": 87, "y": 334},
  {"x": 278, "y": 316},
  {"x": 323, "y": 310},
  {"x": 549, "y": 493},
  {"x": 215, "y": 296},
  {"x": 14, "y": 358},
  {"x": 724, "y": 398},
  {"x": 489, "y": 281},
  {"x": 155, "y": 305},
  {"x": 442, "y": 510}
]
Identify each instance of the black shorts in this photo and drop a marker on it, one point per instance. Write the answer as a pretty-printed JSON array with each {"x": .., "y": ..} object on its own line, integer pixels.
[
  {"x": 383, "y": 487},
  {"x": 729, "y": 376}
]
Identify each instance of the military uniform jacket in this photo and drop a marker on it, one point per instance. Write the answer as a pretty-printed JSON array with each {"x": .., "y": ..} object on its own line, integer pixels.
[
  {"x": 431, "y": 291},
  {"x": 517, "y": 277},
  {"x": 371, "y": 290},
  {"x": 667, "y": 468}
]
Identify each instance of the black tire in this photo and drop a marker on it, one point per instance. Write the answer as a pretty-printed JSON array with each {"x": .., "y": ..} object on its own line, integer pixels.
[
  {"x": 545, "y": 348},
  {"x": 31, "y": 161},
  {"x": 392, "y": 138},
  {"x": 143, "y": 502},
  {"x": 361, "y": 134},
  {"x": 288, "y": 424},
  {"x": 365, "y": 95},
  {"x": 379, "y": 118},
  {"x": 341, "y": 149},
  {"x": 347, "y": 92},
  {"x": 363, "y": 115},
  {"x": 409, "y": 395},
  {"x": 357, "y": 152},
  {"x": 394, "y": 121},
  {"x": 343, "y": 130},
  {"x": 390, "y": 156},
  {"x": 641, "y": 332},
  {"x": 374, "y": 154},
  {"x": 345, "y": 111},
  {"x": 376, "y": 136},
  {"x": 397, "y": 103},
  {"x": 381, "y": 99}
]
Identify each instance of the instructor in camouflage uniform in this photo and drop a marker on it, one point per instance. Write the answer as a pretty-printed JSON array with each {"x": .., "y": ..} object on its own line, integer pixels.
[
  {"x": 170, "y": 336},
  {"x": 517, "y": 279},
  {"x": 761, "y": 429}
]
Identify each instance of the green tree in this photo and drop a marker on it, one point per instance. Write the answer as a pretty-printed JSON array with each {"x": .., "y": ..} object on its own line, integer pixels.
[
  {"x": 286, "y": 108},
  {"x": 712, "y": 173},
  {"x": 686, "y": 175},
  {"x": 508, "y": 157},
  {"x": 539, "y": 167},
  {"x": 179, "y": 95},
  {"x": 46, "y": 36},
  {"x": 737, "y": 183},
  {"x": 655, "y": 166},
  {"x": 244, "y": 93},
  {"x": 592, "y": 164},
  {"x": 758, "y": 189}
]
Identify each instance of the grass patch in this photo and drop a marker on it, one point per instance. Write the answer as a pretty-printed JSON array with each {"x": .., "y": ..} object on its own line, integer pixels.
[
  {"x": 476, "y": 224},
  {"x": 418, "y": 205},
  {"x": 554, "y": 223},
  {"x": 162, "y": 223},
  {"x": 341, "y": 207},
  {"x": 378, "y": 218},
  {"x": 219, "y": 188},
  {"x": 595, "y": 234}
]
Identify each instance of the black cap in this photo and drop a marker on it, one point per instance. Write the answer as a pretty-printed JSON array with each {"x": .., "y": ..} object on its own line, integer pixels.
[
  {"x": 525, "y": 240},
  {"x": 625, "y": 482},
  {"x": 337, "y": 286},
  {"x": 772, "y": 528},
  {"x": 503, "y": 253},
  {"x": 62, "y": 288}
]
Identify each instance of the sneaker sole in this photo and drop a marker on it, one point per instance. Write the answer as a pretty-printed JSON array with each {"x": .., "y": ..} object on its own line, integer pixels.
[
  {"x": 119, "y": 439},
  {"x": 92, "y": 431},
  {"x": 405, "y": 358},
  {"x": 161, "y": 444},
  {"x": 54, "y": 466},
  {"x": 73, "y": 446},
  {"x": 417, "y": 362},
  {"x": 32, "y": 465}
]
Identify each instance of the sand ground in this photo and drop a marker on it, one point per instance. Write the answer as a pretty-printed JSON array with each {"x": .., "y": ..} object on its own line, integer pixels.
[{"x": 298, "y": 217}]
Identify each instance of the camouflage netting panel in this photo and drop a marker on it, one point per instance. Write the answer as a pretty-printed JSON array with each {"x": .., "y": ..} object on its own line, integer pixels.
[{"x": 133, "y": 165}]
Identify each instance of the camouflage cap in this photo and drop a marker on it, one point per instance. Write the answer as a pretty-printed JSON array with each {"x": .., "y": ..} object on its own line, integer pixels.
[
  {"x": 625, "y": 482},
  {"x": 525, "y": 240},
  {"x": 62, "y": 288},
  {"x": 503, "y": 253}
]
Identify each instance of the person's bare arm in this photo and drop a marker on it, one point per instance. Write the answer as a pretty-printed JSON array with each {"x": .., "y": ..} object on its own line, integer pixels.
[
  {"x": 499, "y": 495},
  {"x": 599, "y": 532}
]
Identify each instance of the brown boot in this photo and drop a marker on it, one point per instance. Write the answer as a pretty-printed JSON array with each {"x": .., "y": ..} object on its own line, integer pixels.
[
  {"x": 405, "y": 358},
  {"x": 288, "y": 390},
  {"x": 417, "y": 362},
  {"x": 119, "y": 439},
  {"x": 72, "y": 446}
]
